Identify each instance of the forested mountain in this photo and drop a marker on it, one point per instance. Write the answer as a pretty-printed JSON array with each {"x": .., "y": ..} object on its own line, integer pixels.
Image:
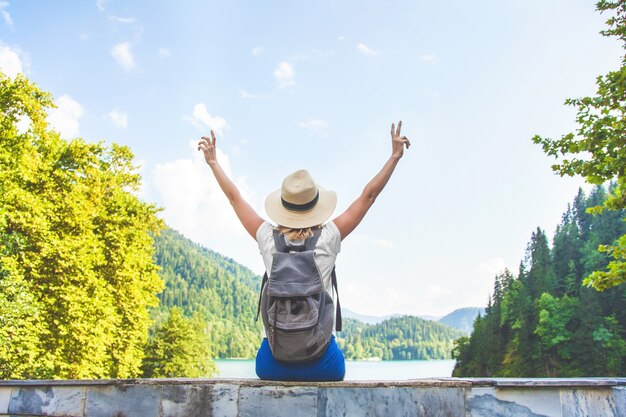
[
  {"x": 544, "y": 322},
  {"x": 398, "y": 338},
  {"x": 462, "y": 318},
  {"x": 218, "y": 289}
]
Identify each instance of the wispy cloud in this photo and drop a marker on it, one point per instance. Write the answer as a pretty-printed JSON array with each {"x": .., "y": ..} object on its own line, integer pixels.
[
  {"x": 285, "y": 75},
  {"x": 124, "y": 56},
  {"x": 123, "y": 20},
  {"x": 64, "y": 119},
  {"x": 341, "y": 38},
  {"x": 202, "y": 120},
  {"x": 429, "y": 59},
  {"x": 10, "y": 61},
  {"x": 315, "y": 125},
  {"x": 6, "y": 16},
  {"x": 366, "y": 50},
  {"x": 258, "y": 51},
  {"x": 245, "y": 94},
  {"x": 100, "y": 4},
  {"x": 118, "y": 118}
]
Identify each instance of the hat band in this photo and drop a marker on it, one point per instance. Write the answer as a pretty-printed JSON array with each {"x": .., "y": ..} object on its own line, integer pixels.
[{"x": 300, "y": 207}]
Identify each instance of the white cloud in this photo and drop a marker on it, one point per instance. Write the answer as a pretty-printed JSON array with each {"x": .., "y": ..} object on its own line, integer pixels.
[
  {"x": 366, "y": 50},
  {"x": 10, "y": 61},
  {"x": 124, "y": 56},
  {"x": 202, "y": 119},
  {"x": 164, "y": 53},
  {"x": 429, "y": 59},
  {"x": 123, "y": 20},
  {"x": 245, "y": 94},
  {"x": 6, "y": 15},
  {"x": 100, "y": 4},
  {"x": 192, "y": 199},
  {"x": 64, "y": 119},
  {"x": 490, "y": 268},
  {"x": 341, "y": 38},
  {"x": 315, "y": 125},
  {"x": 258, "y": 51},
  {"x": 118, "y": 118},
  {"x": 285, "y": 75}
]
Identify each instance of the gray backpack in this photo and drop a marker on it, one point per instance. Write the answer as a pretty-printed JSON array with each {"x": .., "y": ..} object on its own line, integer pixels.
[{"x": 297, "y": 313}]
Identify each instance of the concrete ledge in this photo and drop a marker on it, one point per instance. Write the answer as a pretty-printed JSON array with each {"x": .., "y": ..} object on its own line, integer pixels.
[{"x": 454, "y": 397}]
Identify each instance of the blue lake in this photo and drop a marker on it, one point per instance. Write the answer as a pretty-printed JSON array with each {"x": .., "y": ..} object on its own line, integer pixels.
[{"x": 355, "y": 370}]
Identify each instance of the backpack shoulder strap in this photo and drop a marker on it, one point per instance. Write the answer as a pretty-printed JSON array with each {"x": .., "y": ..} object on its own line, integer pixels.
[
  {"x": 258, "y": 307},
  {"x": 311, "y": 241},
  {"x": 338, "y": 322},
  {"x": 279, "y": 241}
]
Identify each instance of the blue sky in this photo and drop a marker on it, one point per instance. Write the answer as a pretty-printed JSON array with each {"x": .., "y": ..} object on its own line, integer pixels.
[{"x": 316, "y": 85}]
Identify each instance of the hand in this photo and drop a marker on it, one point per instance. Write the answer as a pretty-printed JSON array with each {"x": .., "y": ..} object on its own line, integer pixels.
[
  {"x": 207, "y": 145},
  {"x": 398, "y": 142}
]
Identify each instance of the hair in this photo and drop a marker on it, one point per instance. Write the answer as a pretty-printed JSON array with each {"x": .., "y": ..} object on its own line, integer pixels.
[{"x": 297, "y": 234}]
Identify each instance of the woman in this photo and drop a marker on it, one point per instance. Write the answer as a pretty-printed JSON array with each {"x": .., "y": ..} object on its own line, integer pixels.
[{"x": 299, "y": 207}]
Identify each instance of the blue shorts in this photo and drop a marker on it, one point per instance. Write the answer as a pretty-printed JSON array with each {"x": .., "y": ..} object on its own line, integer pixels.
[{"x": 330, "y": 367}]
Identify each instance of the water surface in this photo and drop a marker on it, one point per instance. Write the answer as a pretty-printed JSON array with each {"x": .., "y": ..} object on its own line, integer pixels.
[{"x": 355, "y": 370}]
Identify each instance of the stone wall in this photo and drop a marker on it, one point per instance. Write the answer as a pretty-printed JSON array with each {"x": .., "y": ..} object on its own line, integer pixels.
[{"x": 219, "y": 397}]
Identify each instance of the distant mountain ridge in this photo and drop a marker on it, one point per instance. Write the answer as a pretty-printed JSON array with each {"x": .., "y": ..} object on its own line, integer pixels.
[
  {"x": 461, "y": 318},
  {"x": 364, "y": 318}
]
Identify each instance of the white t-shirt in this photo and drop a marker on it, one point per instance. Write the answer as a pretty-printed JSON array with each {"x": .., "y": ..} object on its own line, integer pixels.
[{"x": 326, "y": 250}]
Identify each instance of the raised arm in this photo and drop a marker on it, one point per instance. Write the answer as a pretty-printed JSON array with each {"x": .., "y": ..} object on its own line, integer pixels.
[
  {"x": 350, "y": 219},
  {"x": 247, "y": 216}
]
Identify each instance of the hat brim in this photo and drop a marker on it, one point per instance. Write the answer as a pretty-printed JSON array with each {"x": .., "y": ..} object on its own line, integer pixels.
[{"x": 301, "y": 219}]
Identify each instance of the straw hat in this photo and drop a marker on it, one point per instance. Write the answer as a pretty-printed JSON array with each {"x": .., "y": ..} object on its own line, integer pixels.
[{"x": 300, "y": 202}]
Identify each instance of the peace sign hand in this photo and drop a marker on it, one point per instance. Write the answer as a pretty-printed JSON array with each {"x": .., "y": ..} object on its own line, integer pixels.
[
  {"x": 207, "y": 145},
  {"x": 398, "y": 142}
]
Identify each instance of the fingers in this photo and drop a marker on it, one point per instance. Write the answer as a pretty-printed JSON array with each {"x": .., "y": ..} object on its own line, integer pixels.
[
  {"x": 406, "y": 141},
  {"x": 396, "y": 132},
  {"x": 206, "y": 143},
  {"x": 213, "y": 136}
]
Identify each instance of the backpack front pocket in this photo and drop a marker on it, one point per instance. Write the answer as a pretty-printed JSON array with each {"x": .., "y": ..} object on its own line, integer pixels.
[{"x": 294, "y": 313}]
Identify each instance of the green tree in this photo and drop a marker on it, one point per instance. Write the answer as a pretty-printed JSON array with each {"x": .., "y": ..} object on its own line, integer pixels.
[
  {"x": 596, "y": 149},
  {"x": 554, "y": 331},
  {"x": 76, "y": 264},
  {"x": 613, "y": 346},
  {"x": 180, "y": 348}
]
